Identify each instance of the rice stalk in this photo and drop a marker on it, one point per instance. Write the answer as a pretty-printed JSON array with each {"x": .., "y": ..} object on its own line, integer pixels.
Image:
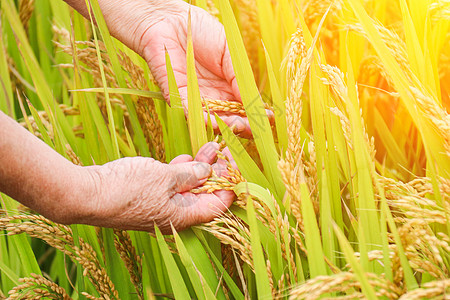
[
  {"x": 337, "y": 83},
  {"x": 44, "y": 118},
  {"x": 212, "y": 9},
  {"x": 228, "y": 259},
  {"x": 26, "y": 8},
  {"x": 226, "y": 182},
  {"x": 346, "y": 285},
  {"x": 437, "y": 115},
  {"x": 439, "y": 289},
  {"x": 230, "y": 231},
  {"x": 89, "y": 296},
  {"x": 146, "y": 112},
  {"x": 37, "y": 287},
  {"x": 145, "y": 108},
  {"x": 60, "y": 237},
  {"x": 72, "y": 156},
  {"x": 423, "y": 249},
  {"x": 298, "y": 62},
  {"x": 132, "y": 261},
  {"x": 392, "y": 40},
  {"x": 248, "y": 13},
  {"x": 439, "y": 10},
  {"x": 232, "y": 107},
  {"x": 270, "y": 275},
  {"x": 411, "y": 199},
  {"x": 314, "y": 10}
]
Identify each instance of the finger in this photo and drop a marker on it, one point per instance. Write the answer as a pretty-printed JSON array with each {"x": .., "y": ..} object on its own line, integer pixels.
[
  {"x": 220, "y": 167},
  {"x": 241, "y": 125},
  {"x": 271, "y": 116},
  {"x": 207, "y": 153},
  {"x": 226, "y": 151},
  {"x": 181, "y": 159},
  {"x": 155, "y": 56},
  {"x": 214, "y": 124},
  {"x": 188, "y": 175}
]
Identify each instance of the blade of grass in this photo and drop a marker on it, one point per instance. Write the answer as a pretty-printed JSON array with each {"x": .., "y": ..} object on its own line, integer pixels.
[
  {"x": 262, "y": 279},
  {"x": 251, "y": 99},
  {"x": 367, "y": 210},
  {"x": 111, "y": 125},
  {"x": 410, "y": 280},
  {"x": 146, "y": 281},
  {"x": 6, "y": 94},
  {"x": 9, "y": 273},
  {"x": 278, "y": 104},
  {"x": 432, "y": 141},
  {"x": 123, "y": 91},
  {"x": 273, "y": 252},
  {"x": 176, "y": 280},
  {"x": 367, "y": 289},
  {"x": 62, "y": 129},
  {"x": 195, "y": 120},
  {"x": 233, "y": 288},
  {"x": 202, "y": 289},
  {"x": 201, "y": 260},
  {"x": 178, "y": 129},
  {"x": 117, "y": 68},
  {"x": 247, "y": 166}
]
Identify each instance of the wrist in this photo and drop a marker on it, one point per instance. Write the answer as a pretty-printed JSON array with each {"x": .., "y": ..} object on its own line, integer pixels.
[{"x": 77, "y": 197}]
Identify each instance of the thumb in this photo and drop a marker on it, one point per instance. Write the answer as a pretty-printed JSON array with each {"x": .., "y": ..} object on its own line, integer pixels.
[{"x": 189, "y": 175}]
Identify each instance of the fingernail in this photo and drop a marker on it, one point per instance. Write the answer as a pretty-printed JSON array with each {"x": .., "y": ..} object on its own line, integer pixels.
[{"x": 202, "y": 170}]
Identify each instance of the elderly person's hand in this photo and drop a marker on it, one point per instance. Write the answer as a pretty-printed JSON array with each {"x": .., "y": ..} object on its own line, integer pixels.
[
  {"x": 132, "y": 193},
  {"x": 136, "y": 193},
  {"x": 151, "y": 26},
  {"x": 128, "y": 193}
]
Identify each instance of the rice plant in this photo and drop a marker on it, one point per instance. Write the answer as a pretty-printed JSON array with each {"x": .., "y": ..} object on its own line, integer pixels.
[{"x": 345, "y": 195}]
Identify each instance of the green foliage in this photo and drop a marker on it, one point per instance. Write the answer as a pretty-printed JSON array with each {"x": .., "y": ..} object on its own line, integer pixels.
[{"x": 328, "y": 207}]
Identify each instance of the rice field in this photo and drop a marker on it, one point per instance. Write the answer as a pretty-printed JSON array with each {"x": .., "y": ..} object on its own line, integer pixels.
[{"x": 344, "y": 195}]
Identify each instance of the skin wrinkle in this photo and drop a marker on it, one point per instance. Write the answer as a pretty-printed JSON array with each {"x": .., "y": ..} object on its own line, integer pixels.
[
  {"x": 160, "y": 24},
  {"x": 128, "y": 193},
  {"x": 209, "y": 78}
]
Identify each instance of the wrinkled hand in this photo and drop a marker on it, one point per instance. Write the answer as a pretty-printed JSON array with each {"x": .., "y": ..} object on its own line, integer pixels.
[
  {"x": 212, "y": 58},
  {"x": 136, "y": 193}
]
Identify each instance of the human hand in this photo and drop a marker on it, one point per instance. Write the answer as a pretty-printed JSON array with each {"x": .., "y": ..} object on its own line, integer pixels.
[
  {"x": 167, "y": 29},
  {"x": 151, "y": 26},
  {"x": 136, "y": 193}
]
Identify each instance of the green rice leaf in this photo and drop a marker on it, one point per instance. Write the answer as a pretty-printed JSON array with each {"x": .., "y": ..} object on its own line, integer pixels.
[
  {"x": 245, "y": 163},
  {"x": 146, "y": 281},
  {"x": 278, "y": 104},
  {"x": 262, "y": 280},
  {"x": 109, "y": 43},
  {"x": 176, "y": 279},
  {"x": 196, "y": 119},
  {"x": 201, "y": 287},
  {"x": 251, "y": 99},
  {"x": 233, "y": 288},
  {"x": 6, "y": 97},
  {"x": 313, "y": 245},
  {"x": 367, "y": 289},
  {"x": 111, "y": 125},
  {"x": 123, "y": 91},
  {"x": 6, "y": 271},
  {"x": 178, "y": 129}
]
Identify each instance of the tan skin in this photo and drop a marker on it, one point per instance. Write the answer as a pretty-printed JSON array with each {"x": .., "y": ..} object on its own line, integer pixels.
[{"x": 132, "y": 193}]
